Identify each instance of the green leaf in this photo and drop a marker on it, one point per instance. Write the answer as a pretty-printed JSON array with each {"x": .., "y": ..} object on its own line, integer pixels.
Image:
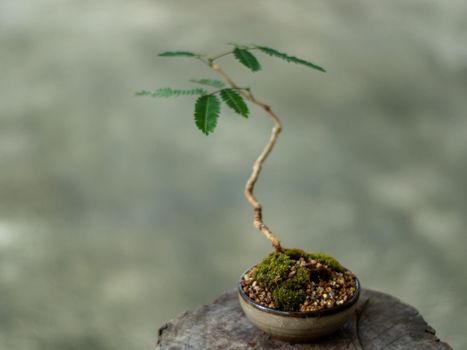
[
  {"x": 207, "y": 110},
  {"x": 143, "y": 93},
  {"x": 178, "y": 54},
  {"x": 169, "y": 92},
  {"x": 235, "y": 101},
  {"x": 210, "y": 82},
  {"x": 246, "y": 58},
  {"x": 286, "y": 57}
]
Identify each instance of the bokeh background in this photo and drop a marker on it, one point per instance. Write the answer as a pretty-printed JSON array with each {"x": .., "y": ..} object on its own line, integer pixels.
[{"x": 117, "y": 214}]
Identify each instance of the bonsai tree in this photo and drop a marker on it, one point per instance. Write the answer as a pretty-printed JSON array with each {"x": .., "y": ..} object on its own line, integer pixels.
[
  {"x": 207, "y": 108},
  {"x": 288, "y": 279}
]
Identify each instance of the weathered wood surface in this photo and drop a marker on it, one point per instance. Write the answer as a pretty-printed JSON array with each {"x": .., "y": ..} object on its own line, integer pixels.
[{"x": 381, "y": 322}]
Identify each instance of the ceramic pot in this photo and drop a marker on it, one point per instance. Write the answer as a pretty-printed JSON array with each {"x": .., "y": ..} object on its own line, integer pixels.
[{"x": 297, "y": 326}]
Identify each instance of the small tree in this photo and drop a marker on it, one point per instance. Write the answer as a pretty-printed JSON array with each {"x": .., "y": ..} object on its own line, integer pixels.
[{"x": 207, "y": 108}]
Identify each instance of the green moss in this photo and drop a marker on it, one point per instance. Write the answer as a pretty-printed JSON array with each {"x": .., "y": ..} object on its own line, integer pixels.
[
  {"x": 289, "y": 292},
  {"x": 272, "y": 270},
  {"x": 299, "y": 280},
  {"x": 327, "y": 260},
  {"x": 288, "y": 300},
  {"x": 295, "y": 253}
]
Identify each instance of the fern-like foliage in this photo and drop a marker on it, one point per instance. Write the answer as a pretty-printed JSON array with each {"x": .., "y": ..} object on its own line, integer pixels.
[
  {"x": 209, "y": 82},
  {"x": 286, "y": 57},
  {"x": 246, "y": 58},
  {"x": 169, "y": 92},
  {"x": 207, "y": 110},
  {"x": 178, "y": 54},
  {"x": 207, "y": 106},
  {"x": 235, "y": 101},
  {"x": 143, "y": 93}
]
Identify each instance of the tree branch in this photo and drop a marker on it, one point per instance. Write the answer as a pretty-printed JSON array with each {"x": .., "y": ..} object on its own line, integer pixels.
[{"x": 257, "y": 166}]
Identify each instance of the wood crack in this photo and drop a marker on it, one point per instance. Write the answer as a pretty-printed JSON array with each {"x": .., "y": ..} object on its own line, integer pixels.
[
  {"x": 358, "y": 314},
  {"x": 160, "y": 331}
]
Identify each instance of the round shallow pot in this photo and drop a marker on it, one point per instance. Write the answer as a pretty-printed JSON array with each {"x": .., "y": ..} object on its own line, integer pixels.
[{"x": 297, "y": 326}]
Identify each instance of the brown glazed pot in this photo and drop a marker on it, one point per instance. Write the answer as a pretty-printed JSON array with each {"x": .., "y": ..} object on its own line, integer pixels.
[{"x": 297, "y": 326}]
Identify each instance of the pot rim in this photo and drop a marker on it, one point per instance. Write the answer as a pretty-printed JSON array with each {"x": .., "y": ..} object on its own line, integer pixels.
[{"x": 300, "y": 314}]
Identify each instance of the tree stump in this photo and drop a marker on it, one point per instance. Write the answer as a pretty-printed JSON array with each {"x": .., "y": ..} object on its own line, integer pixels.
[{"x": 380, "y": 322}]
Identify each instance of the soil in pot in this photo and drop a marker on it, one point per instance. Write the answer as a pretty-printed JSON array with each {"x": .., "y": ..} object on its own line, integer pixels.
[{"x": 294, "y": 280}]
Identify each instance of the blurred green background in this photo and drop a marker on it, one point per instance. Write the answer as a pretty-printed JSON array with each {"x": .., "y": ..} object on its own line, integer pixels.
[{"x": 117, "y": 214}]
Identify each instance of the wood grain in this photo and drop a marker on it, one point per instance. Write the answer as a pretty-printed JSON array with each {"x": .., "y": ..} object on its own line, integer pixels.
[{"x": 380, "y": 322}]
